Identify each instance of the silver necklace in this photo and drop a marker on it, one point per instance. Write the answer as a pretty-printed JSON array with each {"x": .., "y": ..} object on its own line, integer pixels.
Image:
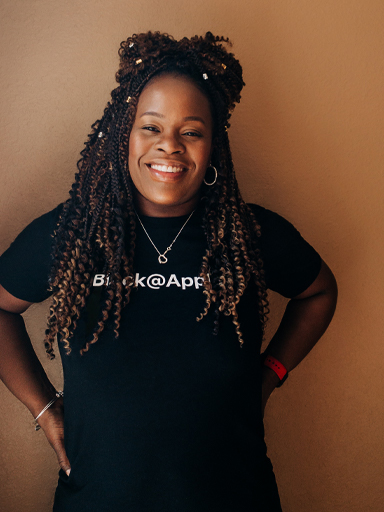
[{"x": 162, "y": 258}]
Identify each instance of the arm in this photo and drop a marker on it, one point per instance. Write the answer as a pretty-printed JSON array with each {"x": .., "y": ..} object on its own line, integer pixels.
[
  {"x": 23, "y": 374},
  {"x": 306, "y": 318}
]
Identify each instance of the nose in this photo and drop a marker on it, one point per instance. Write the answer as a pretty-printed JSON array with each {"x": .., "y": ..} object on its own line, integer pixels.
[{"x": 170, "y": 143}]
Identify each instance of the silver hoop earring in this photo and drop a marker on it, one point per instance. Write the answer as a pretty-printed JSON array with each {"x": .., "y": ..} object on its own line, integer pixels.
[{"x": 214, "y": 181}]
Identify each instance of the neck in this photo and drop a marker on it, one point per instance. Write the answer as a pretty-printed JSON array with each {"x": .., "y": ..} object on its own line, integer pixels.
[{"x": 149, "y": 209}]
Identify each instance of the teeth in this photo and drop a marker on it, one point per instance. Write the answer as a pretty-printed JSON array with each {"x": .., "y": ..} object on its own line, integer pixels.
[{"x": 166, "y": 168}]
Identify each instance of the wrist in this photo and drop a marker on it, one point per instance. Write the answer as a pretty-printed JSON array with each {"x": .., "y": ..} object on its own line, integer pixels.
[
  {"x": 278, "y": 374},
  {"x": 269, "y": 379},
  {"x": 49, "y": 405},
  {"x": 37, "y": 404}
]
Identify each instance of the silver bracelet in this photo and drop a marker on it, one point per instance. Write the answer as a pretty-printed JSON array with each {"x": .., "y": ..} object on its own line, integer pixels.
[{"x": 59, "y": 394}]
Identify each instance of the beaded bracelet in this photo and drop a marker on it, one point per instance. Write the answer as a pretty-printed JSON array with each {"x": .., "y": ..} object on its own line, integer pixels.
[{"x": 58, "y": 395}]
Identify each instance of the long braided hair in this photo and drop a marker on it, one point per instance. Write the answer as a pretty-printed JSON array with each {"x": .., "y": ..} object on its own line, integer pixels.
[{"x": 97, "y": 222}]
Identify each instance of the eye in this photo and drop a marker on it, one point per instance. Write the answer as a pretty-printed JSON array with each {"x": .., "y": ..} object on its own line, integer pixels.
[
  {"x": 151, "y": 128},
  {"x": 192, "y": 134}
]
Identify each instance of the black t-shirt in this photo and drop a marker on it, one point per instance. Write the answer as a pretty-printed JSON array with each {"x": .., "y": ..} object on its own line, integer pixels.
[{"x": 166, "y": 418}]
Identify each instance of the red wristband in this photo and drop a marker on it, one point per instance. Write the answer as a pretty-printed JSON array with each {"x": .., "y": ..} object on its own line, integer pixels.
[{"x": 276, "y": 366}]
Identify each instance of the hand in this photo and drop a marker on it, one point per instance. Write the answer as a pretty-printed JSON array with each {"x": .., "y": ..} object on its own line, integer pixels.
[{"x": 52, "y": 422}]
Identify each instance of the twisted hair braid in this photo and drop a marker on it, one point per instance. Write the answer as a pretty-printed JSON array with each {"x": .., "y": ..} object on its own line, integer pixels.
[{"x": 97, "y": 224}]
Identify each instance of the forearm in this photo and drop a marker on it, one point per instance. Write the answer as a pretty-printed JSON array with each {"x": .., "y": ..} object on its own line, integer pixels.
[
  {"x": 305, "y": 320},
  {"x": 303, "y": 323},
  {"x": 20, "y": 369}
]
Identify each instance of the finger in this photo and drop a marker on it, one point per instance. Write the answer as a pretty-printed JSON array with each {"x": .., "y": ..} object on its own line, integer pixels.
[
  {"x": 65, "y": 466},
  {"x": 63, "y": 460}
]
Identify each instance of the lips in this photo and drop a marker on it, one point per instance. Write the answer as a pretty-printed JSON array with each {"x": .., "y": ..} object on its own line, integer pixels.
[{"x": 166, "y": 168}]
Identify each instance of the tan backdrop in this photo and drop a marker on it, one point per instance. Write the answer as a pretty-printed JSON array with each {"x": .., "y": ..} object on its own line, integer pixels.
[{"x": 307, "y": 141}]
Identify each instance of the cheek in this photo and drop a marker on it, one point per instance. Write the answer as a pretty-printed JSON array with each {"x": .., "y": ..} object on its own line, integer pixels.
[
  {"x": 137, "y": 149},
  {"x": 204, "y": 158},
  {"x": 133, "y": 149},
  {"x": 134, "y": 154}
]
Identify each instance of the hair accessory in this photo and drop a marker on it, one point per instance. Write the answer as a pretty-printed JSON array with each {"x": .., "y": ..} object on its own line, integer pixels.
[
  {"x": 129, "y": 99},
  {"x": 205, "y": 76},
  {"x": 224, "y": 66},
  {"x": 275, "y": 365},
  {"x": 214, "y": 181},
  {"x": 101, "y": 134},
  {"x": 131, "y": 44},
  {"x": 139, "y": 61},
  {"x": 59, "y": 394},
  {"x": 162, "y": 258}
]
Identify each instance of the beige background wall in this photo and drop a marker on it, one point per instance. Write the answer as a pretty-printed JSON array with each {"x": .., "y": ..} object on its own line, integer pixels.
[{"x": 307, "y": 142}]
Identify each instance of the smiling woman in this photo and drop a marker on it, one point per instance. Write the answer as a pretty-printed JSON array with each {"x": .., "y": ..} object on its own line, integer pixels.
[
  {"x": 170, "y": 146},
  {"x": 159, "y": 273}
]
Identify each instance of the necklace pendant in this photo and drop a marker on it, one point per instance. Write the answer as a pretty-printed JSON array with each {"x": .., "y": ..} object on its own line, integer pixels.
[{"x": 162, "y": 259}]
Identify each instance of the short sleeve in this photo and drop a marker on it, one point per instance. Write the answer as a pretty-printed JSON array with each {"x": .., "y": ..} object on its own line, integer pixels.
[
  {"x": 291, "y": 264},
  {"x": 25, "y": 266}
]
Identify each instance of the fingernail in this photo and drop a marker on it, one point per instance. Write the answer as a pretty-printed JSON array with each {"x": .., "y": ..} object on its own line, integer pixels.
[{"x": 68, "y": 472}]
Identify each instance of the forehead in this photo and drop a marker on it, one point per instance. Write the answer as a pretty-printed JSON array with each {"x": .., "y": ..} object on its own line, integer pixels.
[{"x": 174, "y": 92}]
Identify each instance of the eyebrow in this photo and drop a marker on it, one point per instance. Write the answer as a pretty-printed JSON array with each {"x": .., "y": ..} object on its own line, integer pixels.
[{"x": 161, "y": 116}]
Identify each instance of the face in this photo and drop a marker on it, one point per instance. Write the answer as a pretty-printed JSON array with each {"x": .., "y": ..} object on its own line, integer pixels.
[{"x": 170, "y": 146}]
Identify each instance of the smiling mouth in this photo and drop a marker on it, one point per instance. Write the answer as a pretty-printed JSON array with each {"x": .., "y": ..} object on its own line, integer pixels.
[{"x": 166, "y": 168}]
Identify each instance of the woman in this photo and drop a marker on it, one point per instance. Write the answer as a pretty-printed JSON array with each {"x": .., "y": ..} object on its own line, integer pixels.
[{"x": 159, "y": 272}]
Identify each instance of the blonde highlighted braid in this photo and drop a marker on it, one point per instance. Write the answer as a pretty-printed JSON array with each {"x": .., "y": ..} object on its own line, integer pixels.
[{"x": 97, "y": 224}]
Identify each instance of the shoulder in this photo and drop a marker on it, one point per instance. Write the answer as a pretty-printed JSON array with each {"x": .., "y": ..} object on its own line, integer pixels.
[
  {"x": 38, "y": 230},
  {"x": 290, "y": 262},
  {"x": 38, "y": 234},
  {"x": 46, "y": 222},
  {"x": 274, "y": 227},
  {"x": 25, "y": 266},
  {"x": 266, "y": 216}
]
